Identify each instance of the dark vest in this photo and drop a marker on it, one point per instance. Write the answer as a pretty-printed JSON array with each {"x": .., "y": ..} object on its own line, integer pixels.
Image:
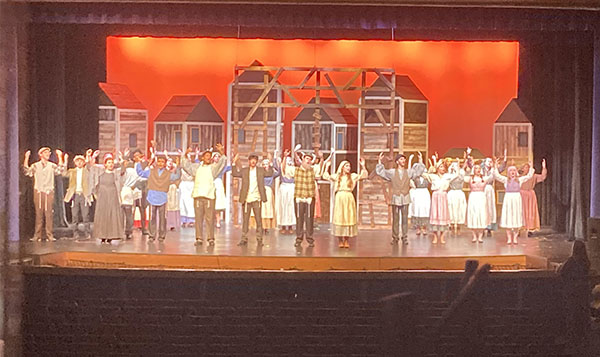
[
  {"x": 159, "y": 183},
  {"x": 400, "y": 185}
]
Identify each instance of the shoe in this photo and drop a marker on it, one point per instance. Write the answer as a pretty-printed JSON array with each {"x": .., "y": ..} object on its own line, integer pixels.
[
  {"x": 51, "y": 238},
  {"x": 211, "y": 242},
  {"x": 150, "y": 239},
  {"x": 530, "y": 234},
  {"x": 480, "y": 240},
  {"x": 266, "y": 231},
  {"x": 405, "y": 241},
  {"x": 282, "y": 231},
  {"x": 259, "y": 243},
  {"x": 35, "y": 239},
  {"x": 298, "y": 244},
  {"x": 488, "y": 233},
  {"x": 127, "y": 236},
  {"x": 394, "y": 242},
  {"x": 311, "y": 244},
  {"x": 290, "y": 231},
  {"x": 145, "y": 233},
  {"x": 198, "y": 242},
  {"x": 161, "y": 239},
  {"x": 242, "y": 243}
]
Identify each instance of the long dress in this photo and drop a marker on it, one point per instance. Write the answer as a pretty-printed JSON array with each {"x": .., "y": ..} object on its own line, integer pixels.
[
  {"x": 186, "y": 201},
  {"x": 512, "y": 205},
  {"x": 439, "y": 216},
  {"x": 457, "y": 201},
  {"x": 286, "y": 215},
  {"x": 531, "y": 215},
  {"x": 420, "y": 201},
  {"x": 220, "y": 198},
  {"x": 108, "y": 218},
  {"x": 477, "y": 212},
  {"x": 345, "y": 221},
  {"x": 173, "y": 204}
]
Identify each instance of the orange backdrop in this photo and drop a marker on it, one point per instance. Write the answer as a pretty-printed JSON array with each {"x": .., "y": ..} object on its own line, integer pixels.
[{"x": 467, "y": 83}]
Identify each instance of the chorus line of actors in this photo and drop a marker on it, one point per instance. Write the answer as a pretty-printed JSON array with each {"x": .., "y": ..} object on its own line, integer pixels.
[{"x": 189, "y": 191}]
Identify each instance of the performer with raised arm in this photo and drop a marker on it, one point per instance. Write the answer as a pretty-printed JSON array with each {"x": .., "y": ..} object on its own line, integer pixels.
[
  {"x": 107, "y": 182},
  {"x": 186, "y": 202},
  {"x": 439, "y": 217},
  {"x": 512, "y": 205},
  {"x": 220, "y": 198},
  {"x": 204, "y": 174},
  {"x": 79, "y": 194},
  {"x": 130, "y": 194},
  {"x": 159, "y": 179},
  {"x": 285, "y": 211},
  {"x": 400, "y": 179},
  {"x": 345, "y": 224},
  {"x": 43, "y": 172},
  {"x": 304, "y": 199},
  {"x": 268, "y": 207},
  {"x": 530, "y": 204},
  {"x": 457, "y": 201},
  {"x": 140, "y": 201},
  {"x": 421, "y": 198},
  {"x": 478, "y": 218},
  {"x": 252, "y": 194},
  {"x": 490, "y": 192}
]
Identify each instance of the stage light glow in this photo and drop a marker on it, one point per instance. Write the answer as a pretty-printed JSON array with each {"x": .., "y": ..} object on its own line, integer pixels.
[{"x": 468, "y": 83}]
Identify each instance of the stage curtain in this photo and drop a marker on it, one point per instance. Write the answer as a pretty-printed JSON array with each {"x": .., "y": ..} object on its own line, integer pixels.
[{"x": 555, "y": 92}]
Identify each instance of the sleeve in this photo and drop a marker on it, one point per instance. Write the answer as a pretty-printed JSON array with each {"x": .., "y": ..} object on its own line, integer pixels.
[
  {"x": 189, "y": 167},
  {"x": 236, "y": 171},
  {"x": 499, "y": 177},
  {"x": 381, "y": 171},
  {"x": 541, "y": 177},
  {"x": 145, "y": 173},
  {"x": 218, "y": 166},
  {"x": 363, "y": 174},
  {"x": 276, "y": 171},
  {"x": 176, "y": 175},
  {"x": 527, "y": 177},
  {"x": 29, "y": 170},
  {"x": 502, "y": 166},
  {"x": 269, "y": 172},
  {"x": 329, "y": 177}
]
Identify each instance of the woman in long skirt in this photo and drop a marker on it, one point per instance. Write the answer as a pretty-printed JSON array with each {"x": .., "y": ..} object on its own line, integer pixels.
[
  {"x": 457, "y": 201},
  {"x": 220, "y": 198},
  {"x": 478, "y": 218},
  {"x": 186, "y": 202},
  {"x": 420, "y": 199},
  {"x": 285, "y": 211},
  {"x": 345, "y": 223},
  {"x": 531, "y": 215},
  {"x": 108, "y": 217},
  {"x": 512, "y": 205},
  {"x": 439, "y": 216}
]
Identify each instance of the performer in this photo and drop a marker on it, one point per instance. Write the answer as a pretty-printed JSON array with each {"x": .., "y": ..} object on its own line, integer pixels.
[
  {"x": 345, "y": 224},
  {"x": 159, "y": 179},
  {"x": 285, "y": 211},
  {"x": 268, "y": 207},
  {"x": 252, "y": 194},
  {"x": 490, "y": 192},
  {"x": 173, "y": 202},
  {"x": 220, "y": 198},
  {"x": 420, "y": 199},
  {"x": 130, "y": 193},
  {"x": 531, "y": 214},
  {"x": 186, "y": 202},
  {"x": 400, "y": 179},
  {"x": 439, "y": 217},
  {"x": 204, "y": 175},
  {"x": 512, "y": 205},
  {"x": 79, "y": 194},
  {"x": 140, "y": 202},
  {"x": 108, "y": 216},
  {"x": 478, "y": 218},
  {"x": 43, "y": 172},
  {"x": 304, "y": 199},
  {"x": 457, "y": 201}
]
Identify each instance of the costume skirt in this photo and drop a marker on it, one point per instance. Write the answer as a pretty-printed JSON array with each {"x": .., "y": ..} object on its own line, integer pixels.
[
  {"x": 477, "y": 212},
  {"x": 344, "y": 215},
  {"x": 512, "y": 211},
  {"x": 267, "y": 210},
  {"x": 286, "y": 214},
  {"x": 531, "y": 215},
  {"x": 490, "y": 195},
  {"x": 220, "y": 199},
  {"x": 186, "y": 202},
  {"x": 439, "y": 215},
  {"x": 457, "y": 206}
]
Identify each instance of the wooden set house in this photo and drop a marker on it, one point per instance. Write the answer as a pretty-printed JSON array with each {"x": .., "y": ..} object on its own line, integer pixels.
[
  {"x": 408, "y": 134},
  {"x": 122, "y": 119},
  {"x": 339, "y": 131},
  {"x": 188, "y": 121},
  {"x": 514, "y": 132}
]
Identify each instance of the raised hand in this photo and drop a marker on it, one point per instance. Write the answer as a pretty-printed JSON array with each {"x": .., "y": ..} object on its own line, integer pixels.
[
  {"x": 380, "y": 157},
  {"x": 505, "y": 152},
  {"x": 27, "y": 154},
  {"x": 286, "y": 153},
  {"x": 89, "y": 152},
  {"x": 362, "y": 162},
  {"x": 543, "y": 163},
  {"x": 95, "y": 154},
  {"x": 269, "y": 157},
  {"x": 297, "y": 147},
  {"x": 236, "y": 157},
  {"x": 66, "y": 158},
  {"x": 469, "y": 151},
  {"x": 59, "y": 153},
  {"x": 219, "y": 148}
]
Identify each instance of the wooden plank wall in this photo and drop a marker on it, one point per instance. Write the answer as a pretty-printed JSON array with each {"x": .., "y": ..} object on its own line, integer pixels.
[
  {"x": 132, "y": 128},
  {"x": 107, "y": 132},
  {"x": 506, "y": 136}
]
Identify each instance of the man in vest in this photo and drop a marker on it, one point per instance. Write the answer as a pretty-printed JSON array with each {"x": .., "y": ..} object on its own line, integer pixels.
[
  {"x": 204, "y": 174},
  {"x": 79, "y": 194},
  {"x": 400, "y": 179},
  {"x": 159, "y": 179},
  {"x": 252, "y": 194}
]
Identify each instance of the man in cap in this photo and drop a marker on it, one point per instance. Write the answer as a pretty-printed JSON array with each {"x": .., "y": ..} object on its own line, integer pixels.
[
  {"x": 204, "y": 174},
  {"x": 400, "y": 179},
  {"x": 252, "y": 193},
  {"x": 79, "y": 194},
  {"x": 43, "y": 172}
]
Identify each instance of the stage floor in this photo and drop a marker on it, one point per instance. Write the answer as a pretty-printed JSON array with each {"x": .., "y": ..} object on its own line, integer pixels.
[{"x": 371, "y": 250}]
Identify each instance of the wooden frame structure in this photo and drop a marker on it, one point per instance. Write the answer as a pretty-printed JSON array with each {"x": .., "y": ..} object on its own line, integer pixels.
[{"x": 347, "y": 85}]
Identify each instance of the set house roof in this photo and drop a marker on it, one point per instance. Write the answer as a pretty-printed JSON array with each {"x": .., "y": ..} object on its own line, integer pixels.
[
  {"x": 119, "y": 95},
  {"x": 335, "y": 115},
  {"x": 405, "y": 88},
  {"x": 512, "y": 114},
  {"x": 254, "y": 76},
  {"x": 189, "y": 108}
]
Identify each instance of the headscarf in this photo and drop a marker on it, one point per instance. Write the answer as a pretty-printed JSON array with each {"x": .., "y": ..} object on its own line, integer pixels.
[
  {"x": 339, "y": 172},
  {"x": 108, "y": 156}
]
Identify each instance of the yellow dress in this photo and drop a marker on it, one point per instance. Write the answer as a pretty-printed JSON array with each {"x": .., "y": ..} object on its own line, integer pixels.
[{"x": 345, "y": 222}]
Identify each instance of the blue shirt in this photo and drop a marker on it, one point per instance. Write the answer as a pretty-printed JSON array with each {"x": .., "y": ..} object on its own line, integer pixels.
[{"x": 155, "y": 198}]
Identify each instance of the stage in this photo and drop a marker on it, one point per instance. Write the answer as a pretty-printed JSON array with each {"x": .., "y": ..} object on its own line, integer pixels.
[{"x": 370, "y": 251}]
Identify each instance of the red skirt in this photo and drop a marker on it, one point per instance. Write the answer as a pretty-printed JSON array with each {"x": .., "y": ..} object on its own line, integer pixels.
[
  {"x": 531, "y": 215},
  {"x": 439, "y": 214}
]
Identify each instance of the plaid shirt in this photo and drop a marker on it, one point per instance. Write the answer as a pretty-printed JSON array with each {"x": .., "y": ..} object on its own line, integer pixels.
[{"x": 304, "y": 183}]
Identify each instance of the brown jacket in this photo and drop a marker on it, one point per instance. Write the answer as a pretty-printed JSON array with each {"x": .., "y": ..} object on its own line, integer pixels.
[
  {"x": 244, "y": 173},
  {"x": 85, "y": 184}
]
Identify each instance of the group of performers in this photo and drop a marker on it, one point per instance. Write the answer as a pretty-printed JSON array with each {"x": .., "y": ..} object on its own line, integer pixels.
[{"x": 188, "y": 190}]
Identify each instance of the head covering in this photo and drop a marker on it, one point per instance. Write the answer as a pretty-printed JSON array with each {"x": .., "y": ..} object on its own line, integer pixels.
[
  {"x": 418, "y": 169},
  {"x": 78, "y": 157},
  {"x": 42, "y": 149},
  {"x": 453, "y": 168},
  {"x": 512, "y": 167},
  {"x": 398, "y": 156},
  {"x": 289, "y": 161},
  {"x": 341, "y": 167},
  {"x": 265, "y": 162},
  {"x": 108, "y": 156}
]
